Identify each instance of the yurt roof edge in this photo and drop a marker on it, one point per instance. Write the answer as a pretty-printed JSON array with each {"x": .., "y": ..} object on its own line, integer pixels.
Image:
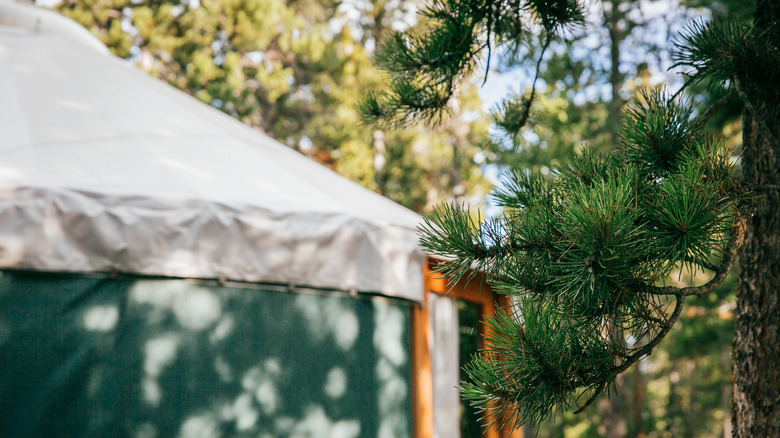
[{"x": 99, "y": 177}]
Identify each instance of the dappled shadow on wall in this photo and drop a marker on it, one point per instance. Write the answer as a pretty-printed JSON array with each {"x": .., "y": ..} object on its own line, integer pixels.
[{"x": 86, "y": 356}]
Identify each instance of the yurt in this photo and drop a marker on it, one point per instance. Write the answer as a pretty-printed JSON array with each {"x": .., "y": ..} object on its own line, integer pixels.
[{"x": 166, "y": 271}]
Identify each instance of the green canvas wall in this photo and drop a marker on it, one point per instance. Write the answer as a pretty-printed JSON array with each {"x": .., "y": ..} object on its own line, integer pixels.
[{"x": 88, "y": 356}]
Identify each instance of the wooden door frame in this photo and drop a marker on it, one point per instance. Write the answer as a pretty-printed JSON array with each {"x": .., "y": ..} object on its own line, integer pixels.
[{"x": 476, "y": 291}]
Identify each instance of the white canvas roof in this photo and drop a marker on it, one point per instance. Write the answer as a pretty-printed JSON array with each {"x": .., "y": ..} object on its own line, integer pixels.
[{"x": 103, "y": 168}]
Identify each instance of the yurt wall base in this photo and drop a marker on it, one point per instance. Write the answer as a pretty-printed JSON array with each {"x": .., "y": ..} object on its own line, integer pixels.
[{"x": 98, "y": 356}]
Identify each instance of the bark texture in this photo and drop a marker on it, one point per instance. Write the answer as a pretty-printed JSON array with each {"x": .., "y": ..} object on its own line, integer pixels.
[{"x": 756, "y": 354}]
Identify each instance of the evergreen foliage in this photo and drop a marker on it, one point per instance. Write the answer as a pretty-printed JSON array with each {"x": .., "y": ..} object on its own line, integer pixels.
[
  {"x": 738, "y": 55},
  {"x": 585, "y": 252},
  {"x": 588, "y": 254},
  {"x": 427, "y": 65}
]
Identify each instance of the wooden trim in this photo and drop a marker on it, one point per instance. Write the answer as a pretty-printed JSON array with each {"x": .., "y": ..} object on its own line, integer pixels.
[
  {"x": 422, "y": 377},
  {"x": 478, "y": 291}
]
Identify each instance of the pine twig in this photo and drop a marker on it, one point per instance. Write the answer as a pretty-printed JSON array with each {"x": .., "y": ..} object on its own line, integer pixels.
[
  {"x": 547, "y": 41},
  {"x": 647, "y": 348},
  {"x": 685, "y": 85},
  {"x": 729, "y": 256},
  {"x": 592, "y": 398},
  {"x": 642, "y": 352},
  {"x": 490, "y": 49}
]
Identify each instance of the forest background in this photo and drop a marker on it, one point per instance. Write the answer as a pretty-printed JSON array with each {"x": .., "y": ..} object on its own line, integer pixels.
[{"x": 295, "y": 69}]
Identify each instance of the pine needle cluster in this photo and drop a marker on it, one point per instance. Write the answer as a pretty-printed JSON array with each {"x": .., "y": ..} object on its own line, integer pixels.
[
  {"x": 426, "y": 65},
  {"x": 586, "y": 255},
  {"x": 744, "y": 57}
]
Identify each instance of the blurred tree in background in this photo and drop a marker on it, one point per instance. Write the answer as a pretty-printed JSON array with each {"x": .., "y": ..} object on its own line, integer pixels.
[{"x": 294, "y": 70}]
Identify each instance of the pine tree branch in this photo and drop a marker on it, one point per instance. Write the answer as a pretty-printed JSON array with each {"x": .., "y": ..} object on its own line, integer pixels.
[
  {"x": 592, "y": 398},
  {"x": 648, "y": 348},
  {"x": 729, "y": 256},
  {"x": 639, "y": 354},
  {"x": 547, "y": 41},
  {"x": 691, "y": 80},
  {"x": 489, "y": 47}
]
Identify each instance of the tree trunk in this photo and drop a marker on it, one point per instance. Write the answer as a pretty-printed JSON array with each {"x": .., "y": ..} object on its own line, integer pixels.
[
  {"x": 757, "y": 339},
  {"x": 756, "y": 355}
]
